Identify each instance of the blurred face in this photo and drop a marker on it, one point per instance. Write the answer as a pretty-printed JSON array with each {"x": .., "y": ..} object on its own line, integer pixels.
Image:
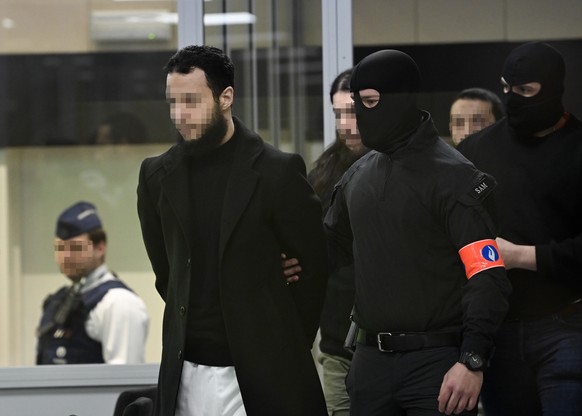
[
  {"x": 104, "y": 135},
  {"x": 345, "y": 120},
  {"x": 77, "y": 256},
  {"x": 192, "y": 104},
  {"x": 469, "y": 116}
]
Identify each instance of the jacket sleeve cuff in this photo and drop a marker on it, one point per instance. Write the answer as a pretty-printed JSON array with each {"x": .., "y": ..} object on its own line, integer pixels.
[{"x": 479, "y": 346}]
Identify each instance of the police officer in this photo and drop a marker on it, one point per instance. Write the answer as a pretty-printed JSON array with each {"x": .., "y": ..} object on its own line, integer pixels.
[
  {"x": 412, "y": 215},
  {"x": 97, "y": 318},
  {"x": 536, "y": 155}
]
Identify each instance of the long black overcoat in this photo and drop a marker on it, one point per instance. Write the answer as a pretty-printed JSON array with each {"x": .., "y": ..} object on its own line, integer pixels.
[{"x": 269, "y": 208}]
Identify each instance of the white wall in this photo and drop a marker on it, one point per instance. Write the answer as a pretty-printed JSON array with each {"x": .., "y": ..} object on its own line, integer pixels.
[
  {"x": 375, "y": 22},
  {"x": 379, "y": 22},
  {"x": 5, "y": 328}
]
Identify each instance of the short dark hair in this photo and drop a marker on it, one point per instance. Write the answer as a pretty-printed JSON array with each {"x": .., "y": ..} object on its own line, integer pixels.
[
  {"x": 218, "y": 67},
  {"x": 482, "y": 94},
  {"x": 97, "y": 236},
  {"x": 340, "y": 83}
]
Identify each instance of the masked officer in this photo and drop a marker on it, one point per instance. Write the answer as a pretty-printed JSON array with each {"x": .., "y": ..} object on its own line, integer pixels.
[
  {"x": 535, "y": 153},
  {"x": 413, "y": 217},
  {"x": 96, "y": 319}
]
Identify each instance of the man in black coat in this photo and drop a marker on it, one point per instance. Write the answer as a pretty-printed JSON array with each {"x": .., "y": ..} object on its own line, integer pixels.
[{"x": 216, "y": 212}]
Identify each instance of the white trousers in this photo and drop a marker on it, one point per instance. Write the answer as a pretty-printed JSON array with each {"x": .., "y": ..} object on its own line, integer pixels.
[{"x": 209, "y": 391}]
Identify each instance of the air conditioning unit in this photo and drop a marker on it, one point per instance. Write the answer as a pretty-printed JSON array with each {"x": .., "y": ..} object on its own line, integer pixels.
[{"x": 132, "y": 25}]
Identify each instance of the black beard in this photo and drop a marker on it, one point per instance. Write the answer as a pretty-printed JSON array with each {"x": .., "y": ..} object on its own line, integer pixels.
[{"x": 210, "y": 139}]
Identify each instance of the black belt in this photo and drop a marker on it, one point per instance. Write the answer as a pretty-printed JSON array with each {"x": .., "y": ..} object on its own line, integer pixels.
[{"x": 409, "y": 341}]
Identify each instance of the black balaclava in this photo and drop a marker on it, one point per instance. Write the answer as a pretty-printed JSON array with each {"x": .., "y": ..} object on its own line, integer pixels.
[
  {"x": 534, "y": 62},
  {"x": 387, "y": 126}
]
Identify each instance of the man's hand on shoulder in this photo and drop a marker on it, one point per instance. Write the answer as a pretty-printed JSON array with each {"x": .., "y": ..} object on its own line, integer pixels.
[{"x": 459, "y": 390}]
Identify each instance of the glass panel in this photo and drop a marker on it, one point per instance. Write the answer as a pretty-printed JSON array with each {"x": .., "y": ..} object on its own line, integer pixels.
[
  {"x": 82, "y": 103},
  {"x": 278, "y": 62}
]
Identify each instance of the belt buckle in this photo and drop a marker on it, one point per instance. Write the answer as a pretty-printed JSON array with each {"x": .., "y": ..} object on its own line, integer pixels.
[{"x": 379, "y": 339}]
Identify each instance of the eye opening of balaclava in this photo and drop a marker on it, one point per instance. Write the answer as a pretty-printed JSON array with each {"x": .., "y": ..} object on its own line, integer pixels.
[
  {"x": 534, "y": 62},
  {"x": 388, "y": 125}
]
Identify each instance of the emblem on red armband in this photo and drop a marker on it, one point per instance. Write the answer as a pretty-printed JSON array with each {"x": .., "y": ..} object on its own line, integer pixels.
[{"x": 480, "y": 255}]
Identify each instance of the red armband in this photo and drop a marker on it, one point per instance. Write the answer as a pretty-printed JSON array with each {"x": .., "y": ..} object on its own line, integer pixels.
[{"x": 480, "y": 255}]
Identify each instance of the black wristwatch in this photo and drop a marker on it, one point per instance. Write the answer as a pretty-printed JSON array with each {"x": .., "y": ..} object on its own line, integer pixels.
[{"x": 472, "y": 361}]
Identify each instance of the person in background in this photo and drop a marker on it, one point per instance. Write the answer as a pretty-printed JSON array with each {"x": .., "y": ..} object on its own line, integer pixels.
[
  {"x": 96, "y": 319},
  {"x": 121, "y": 128},
  {"x": 216, "y": 212},
  {"x": 347, "y": 147},
  {"x": 472, "y": 110},
  {"x": 535, "y": 153},
  {"x": 414, "y": 218},
  {"x": 335, "y": 319}
]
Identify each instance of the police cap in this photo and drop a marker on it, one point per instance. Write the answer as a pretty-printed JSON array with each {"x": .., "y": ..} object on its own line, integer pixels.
[{"x": 78, "y": 219}]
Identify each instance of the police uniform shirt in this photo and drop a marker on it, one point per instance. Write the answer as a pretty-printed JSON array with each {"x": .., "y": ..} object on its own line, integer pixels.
[{"x": 119, "y": 321}]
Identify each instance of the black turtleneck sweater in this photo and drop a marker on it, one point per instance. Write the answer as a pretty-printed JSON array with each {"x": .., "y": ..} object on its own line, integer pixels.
[{"x": 206, "y": 341}]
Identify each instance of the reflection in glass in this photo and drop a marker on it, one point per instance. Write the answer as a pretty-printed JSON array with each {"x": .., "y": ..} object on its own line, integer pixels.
[{"x": 82, "y": 103}]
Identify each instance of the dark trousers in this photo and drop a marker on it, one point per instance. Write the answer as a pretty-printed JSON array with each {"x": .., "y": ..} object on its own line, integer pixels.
[
  {"x": 536, "y": 369},
  {"x": 398, "y": 384}
]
